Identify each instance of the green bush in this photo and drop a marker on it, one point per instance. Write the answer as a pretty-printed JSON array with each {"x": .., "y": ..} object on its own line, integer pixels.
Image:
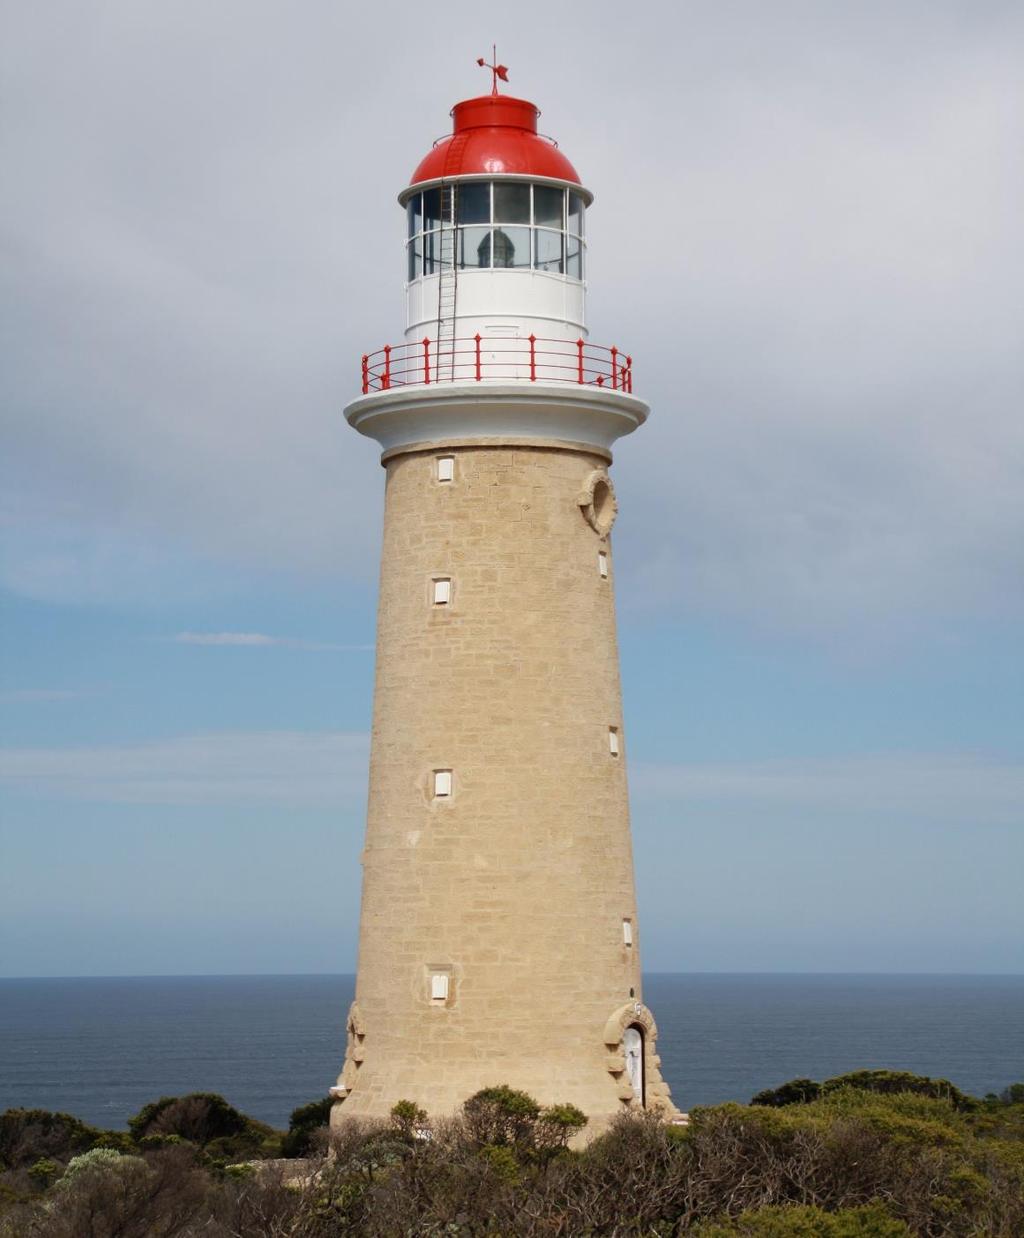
[
  {"x": 802, "y": 1222},
  {"x": 795, "y": 1092},
  {"x": 885, "y": 1082},
  {"x": 303, "y": 1125},
  {"x": 208, "y": 1121},
  {"x": 28, "y": 1135}
]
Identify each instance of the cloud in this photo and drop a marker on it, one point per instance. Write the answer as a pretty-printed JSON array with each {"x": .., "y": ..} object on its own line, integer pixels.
[
  {"x": 814, "y": 259},
  {"x": 288, "y": 766},
  {"x": 260, "y": 640}
]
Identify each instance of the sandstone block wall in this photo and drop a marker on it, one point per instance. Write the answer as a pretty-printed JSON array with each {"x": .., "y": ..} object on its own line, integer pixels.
[{"x": 516, "y": 885}]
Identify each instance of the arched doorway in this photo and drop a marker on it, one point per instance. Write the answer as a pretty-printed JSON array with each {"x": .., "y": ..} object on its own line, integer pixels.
[{"x": 633, "y": 1050}]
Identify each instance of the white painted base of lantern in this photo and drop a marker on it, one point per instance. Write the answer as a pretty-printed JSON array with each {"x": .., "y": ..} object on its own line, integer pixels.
[{"x": 442, "y": 412}]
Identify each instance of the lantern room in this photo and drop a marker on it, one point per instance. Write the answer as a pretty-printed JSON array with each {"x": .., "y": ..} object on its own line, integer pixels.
[{"x": 495, "y": 230}]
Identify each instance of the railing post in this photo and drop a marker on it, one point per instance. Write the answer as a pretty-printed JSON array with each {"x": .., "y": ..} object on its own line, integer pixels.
[
  {"x": 426, "y": 358},
  {"x": 477, "y": 339},
  {"x": 533, "y": 358},
  {"x": 366, "y": 374},
  {"x": 579, "y": 360},
  {"x": 387, "y": 366},
  {"x": 615, "y": 367},
  {"x": 629, "y": 374}
]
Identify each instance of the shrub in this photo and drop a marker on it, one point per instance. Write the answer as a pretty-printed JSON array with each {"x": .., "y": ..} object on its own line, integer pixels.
[
  {"x": 199, "y": 1117},
  {"x": 795, "y": 1092},
  {"x": 106, "y": 1195},
  {"x": 885, "y": 1082},
  {"x": 408, "y": 1119},
  {"x": 892, "y": 1082},
  {"x": 303, "y": 1126},
  {"x": 44, "y": 1172},
  {"x": 868, "y": 1222},
  {"x": 208, "y": 1121},
  {"x": 500, "y": 1115},
  {"x": 29, "y": 1135},
  {"x": 1013, "y": 1095}
]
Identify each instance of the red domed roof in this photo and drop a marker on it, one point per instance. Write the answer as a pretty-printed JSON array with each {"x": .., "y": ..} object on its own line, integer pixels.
[{"x": 495, "y": 134}]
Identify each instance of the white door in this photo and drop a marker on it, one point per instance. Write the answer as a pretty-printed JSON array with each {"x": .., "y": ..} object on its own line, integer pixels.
[
  {"x": 633, "y": 1047},
  {"x": 503, "y": 356}
]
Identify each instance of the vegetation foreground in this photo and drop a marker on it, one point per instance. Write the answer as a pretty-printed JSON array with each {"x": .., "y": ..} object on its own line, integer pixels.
[{"x": 875, "y": 1154}]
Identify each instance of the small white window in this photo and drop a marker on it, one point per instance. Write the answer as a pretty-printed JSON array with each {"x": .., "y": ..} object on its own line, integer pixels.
[
  {"x": 439, "y": 987},
  {"x": 442, "y": 590},
  {"x": 445, "y": 468},
  {"x": 627, "y": 932},
  {"x": 613, "y": 741},
  {"x": 602, "y": 564},
  {"x": 442, "y": 783}
]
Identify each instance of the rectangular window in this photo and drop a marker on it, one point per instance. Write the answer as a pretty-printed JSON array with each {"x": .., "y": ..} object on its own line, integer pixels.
[
  {"x": 575, "y": 212},
  {"x": 473, "y": 203},
  {"x": 445, "y": 468},
  {"x": 627, "y": 932},
  {"x": 511, "y": 247},
  {"x": 602, "y": 564},
  {"x": 431, "y": 208},
  {"x": 511, "y": 203},
  {"x": 548, "y": 204},
  {"x": 474, "y": 247},
  {"x": 415, "y": 248},
  {"x": 438, "y": 987},
  {"x": 415, "y": 210},
  {"x": 613, "y": 741},
  {"x": 548, "y": 251},
  {"x": 431, "y": 247},
  {"x": 442, "y": 783},
  {"x": 574, "y": 257},
  {"x": 442, "y": 590}
]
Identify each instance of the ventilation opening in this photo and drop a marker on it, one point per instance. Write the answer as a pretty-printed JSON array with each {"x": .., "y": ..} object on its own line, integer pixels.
[
  {"x": 602, "y": 564},
  {"x": 613, "y": 741},
  {"x": 446, "y": 468},
  {"x": 442, "y": 784},
  {"x": 439, "y": 987},
  {"x": 627, "y": 934},
  {"x": 442, "y": 591}
]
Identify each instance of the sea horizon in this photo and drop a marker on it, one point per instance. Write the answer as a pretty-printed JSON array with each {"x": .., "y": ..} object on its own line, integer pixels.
[
  {"x": 648, "y": 972},
  {"x": 100, "y": 1047}
]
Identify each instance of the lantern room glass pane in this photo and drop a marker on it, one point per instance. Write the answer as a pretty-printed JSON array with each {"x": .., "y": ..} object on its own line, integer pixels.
[
  {"x": 575, "y": 212},
  {"x": 431, "y": 252},
  {"x": 511, "y": 203},
  {"x": 431, "y": 208},
  {"x": 574, "y": 257},
  {"x": 414, "y": 209},
  {"x": 547, "y": 206},
  {"x": 415, "y": 248},
  {"x": 548, "y": 251},
  {"x": 474, "y": 248},
  {"x": 511, "y": 247},
  {"x": 474, "y": 203}
]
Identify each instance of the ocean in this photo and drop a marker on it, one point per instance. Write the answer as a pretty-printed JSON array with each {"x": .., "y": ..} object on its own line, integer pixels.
[{"x": 101, "y": 1048}]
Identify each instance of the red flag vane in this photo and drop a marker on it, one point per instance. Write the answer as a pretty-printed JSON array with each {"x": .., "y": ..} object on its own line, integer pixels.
[{"x": 497, "y": 70}]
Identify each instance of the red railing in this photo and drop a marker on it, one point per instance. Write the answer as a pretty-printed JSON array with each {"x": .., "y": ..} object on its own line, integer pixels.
[{"x": 479, "y": 358}]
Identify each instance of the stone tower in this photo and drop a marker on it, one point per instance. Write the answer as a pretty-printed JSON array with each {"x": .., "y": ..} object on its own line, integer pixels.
[{"x": 499, "y": 940}]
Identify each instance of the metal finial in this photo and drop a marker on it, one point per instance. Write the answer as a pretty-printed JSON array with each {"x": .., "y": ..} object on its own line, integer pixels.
[{"x": 497, "y": 70}]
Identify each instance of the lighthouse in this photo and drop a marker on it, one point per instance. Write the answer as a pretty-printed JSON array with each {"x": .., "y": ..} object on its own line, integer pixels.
[{"x": 499, "y": 941}]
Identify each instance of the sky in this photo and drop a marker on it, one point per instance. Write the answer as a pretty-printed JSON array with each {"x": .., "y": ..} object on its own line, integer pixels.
[{"x": 806, "y": 231}]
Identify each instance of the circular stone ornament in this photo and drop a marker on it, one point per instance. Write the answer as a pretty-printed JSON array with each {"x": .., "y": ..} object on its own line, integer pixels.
[{"x": 598, "y": 503}]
